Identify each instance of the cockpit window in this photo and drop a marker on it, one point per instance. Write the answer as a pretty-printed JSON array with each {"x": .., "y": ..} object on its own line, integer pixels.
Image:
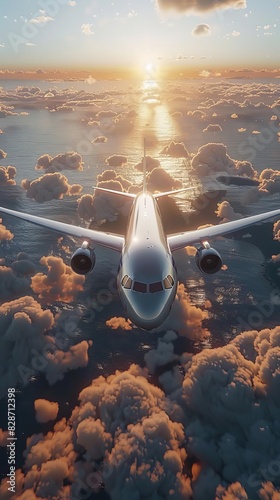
[
  {"x": 168, "y": 281},
  {"x": 155, "y": 287},
  {"x": 126, "y": 281},
  {"x": 139, "y": 287}
]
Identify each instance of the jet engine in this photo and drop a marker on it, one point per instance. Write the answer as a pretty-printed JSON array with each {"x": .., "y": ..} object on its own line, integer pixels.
[
  {"x": 208, "y": 260},
  {"x": 83, "y": 260}
]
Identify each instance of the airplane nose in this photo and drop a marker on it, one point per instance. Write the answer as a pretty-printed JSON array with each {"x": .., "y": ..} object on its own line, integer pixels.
[{"x": 148, "y": 311}]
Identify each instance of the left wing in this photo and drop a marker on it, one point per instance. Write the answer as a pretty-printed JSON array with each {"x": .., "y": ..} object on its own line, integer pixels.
[
  {"x": 108, "y": 240},
  {"x": 181, "y": 240}
]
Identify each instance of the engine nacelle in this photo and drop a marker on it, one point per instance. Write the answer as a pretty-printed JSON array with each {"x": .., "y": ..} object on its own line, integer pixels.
[
  {"x": 208, "y": 260},
  {"x": 83, "y": 260}
]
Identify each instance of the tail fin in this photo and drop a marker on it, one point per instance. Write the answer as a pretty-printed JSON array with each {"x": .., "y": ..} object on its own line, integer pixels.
[{"x": 144, "y": 169}]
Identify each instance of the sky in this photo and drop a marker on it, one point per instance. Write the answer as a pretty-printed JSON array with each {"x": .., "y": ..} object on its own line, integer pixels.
[{"x": 91, "y": 34}]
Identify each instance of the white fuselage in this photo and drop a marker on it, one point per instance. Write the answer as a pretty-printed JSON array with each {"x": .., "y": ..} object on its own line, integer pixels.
[{"x": 147, "y": 278}]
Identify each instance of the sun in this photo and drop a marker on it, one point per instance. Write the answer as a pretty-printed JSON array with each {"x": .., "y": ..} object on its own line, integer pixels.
[{"x": 149, "y": 67}]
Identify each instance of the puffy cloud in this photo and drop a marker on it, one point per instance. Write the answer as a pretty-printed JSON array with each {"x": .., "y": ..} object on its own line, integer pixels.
[
  {"x": 197, "y": 113},
  {"x": 11, "y": 285},
  {"x": 45, "y": 410},
  {"x": 199, "y": 5},
  {"x": 7, "y": 175},
  {"x": 28, "y": 347},
  {"x": 23, "y": 324},
  {"x": 226, "y": 212},
  {"x": 59, "y": 284},
  {"x": 87, "y": 29},
  {"x": 276, "y": 230},
  {"x": 163, "y": 354},
  {"x": 118, "y": 322},
  {"x": 5, "y": 234},
  {"x": 190, "y": 250},
  {"x": 105, "y": 206},
  {"x": 185, "y": 318},
  {"x": 212, "y": 157},
  {"x": 269, "y": 181},
  {"x": 201, "y": 30},
  {"x": 213, "y": 127},
  {"x": 161, "y": 180},
  {"x": 50, "y": 187},
  {"x": 100, "y": 139},
  {"x": 2, "y": 154},
  {"x": 41, "y": 20},
  {"x": 176, "y": 150},
  {"x": 65, "y": 161},
  {"x": 245, "y": 168},
  {"x": 151, "y": 163},
  {"x": 221, "y": 418},
  {"x": 116, "y": 160},
  {"x": 23, "y": 266}
]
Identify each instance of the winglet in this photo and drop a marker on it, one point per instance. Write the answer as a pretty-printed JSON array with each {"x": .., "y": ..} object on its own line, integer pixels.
[{"x": 144, "y": 169}]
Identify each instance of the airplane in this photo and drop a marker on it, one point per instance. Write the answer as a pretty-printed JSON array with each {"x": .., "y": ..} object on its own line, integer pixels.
[{"x": 147, "y": 275}]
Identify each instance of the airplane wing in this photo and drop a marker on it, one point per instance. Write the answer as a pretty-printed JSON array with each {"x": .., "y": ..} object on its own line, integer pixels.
[
  {"x": 113, "y": 191},
  {"x": 177, "y": 241},
  {"x": 175, "y": 191},
  {"x": 108, "y": 240}
]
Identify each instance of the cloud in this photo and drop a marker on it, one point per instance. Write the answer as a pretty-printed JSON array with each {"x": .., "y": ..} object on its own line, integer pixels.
[
  {"x": 118, "y": 322},
  {"x": 50, "y": 187},
  {"x": 151, "y": 163},
  {"x": 269, "y": 181},
  {"x": 45, "y": 410},
  {"x": 104, "y": 206},
  {"x": 176, "y": 150},
  {"x": 7, "y": 175},
  {"x": 226, "y": 212},
  {"x": 2, "y": 154},
  {"x": 28, "y": 346},
  {"x": 66, "y": 161},
  {"x": 276, "y": 230},
  {"x": 22, "y": 326},
  {"x": 212, "y": 157},
  {"x": 23, "y": 266},
  {"x": 5, "y": 234},
  {"x": 59, "y": 284},
  {"x": 135, "y": 439},
  {"x": 204, "y": 73},
  {"x": 100, "y": 139},
  {"x": 189, "y": 6},
  {"x": 163, "y": 354},
  {"x": 235, "y": 33},
  {"x": 201, "y": 30},
  {"x": 185, "y": 318},
  {"x": 160, "y": 180},
  {"x": 11, "y": 285},
  {"x": 245, "y": 168},
  {"x": 41, "y": 19},
  {"x": 213, "y": 127},
  {"x": 116, "y": 160},
  {"x": 86, "y": 29}
]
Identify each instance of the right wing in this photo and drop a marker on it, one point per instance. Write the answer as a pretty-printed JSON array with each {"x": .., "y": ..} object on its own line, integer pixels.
[
  {"x": 169, "y": 193},
  {"x": 177, "y": 241},
  {"x": 108, "y": 240}
]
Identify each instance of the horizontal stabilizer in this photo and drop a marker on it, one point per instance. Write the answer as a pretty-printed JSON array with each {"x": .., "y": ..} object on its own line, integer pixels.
[
  {"x": 168, "y": 193},
  {"x": 112, "y": 191}
]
